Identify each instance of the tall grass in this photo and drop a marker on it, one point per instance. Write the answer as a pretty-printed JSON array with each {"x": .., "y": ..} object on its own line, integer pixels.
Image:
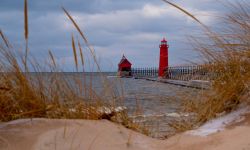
[
  {"x": 54, "y": 95},
  {"x": 226, "y": 54}
]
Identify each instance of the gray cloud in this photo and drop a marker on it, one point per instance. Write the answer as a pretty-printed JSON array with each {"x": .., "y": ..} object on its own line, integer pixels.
[{"x": 114, "y": 27}]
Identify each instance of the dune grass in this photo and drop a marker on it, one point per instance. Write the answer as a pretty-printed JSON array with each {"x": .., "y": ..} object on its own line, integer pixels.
[
  {"x": 28, "y": 95},
  {"x": 226, "y": 54}
]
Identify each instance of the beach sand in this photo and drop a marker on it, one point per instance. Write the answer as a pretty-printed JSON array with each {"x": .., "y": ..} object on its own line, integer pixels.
[{"x": 48, "y": 134}]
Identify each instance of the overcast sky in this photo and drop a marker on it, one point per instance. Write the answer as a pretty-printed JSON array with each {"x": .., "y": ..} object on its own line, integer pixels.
[{"x": 114, "y": 27}]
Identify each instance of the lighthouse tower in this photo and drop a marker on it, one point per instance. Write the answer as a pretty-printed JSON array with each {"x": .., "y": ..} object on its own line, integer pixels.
[{"x": 163, "y": 63}]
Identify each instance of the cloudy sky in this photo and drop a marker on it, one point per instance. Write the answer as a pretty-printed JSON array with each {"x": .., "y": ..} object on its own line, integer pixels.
[{"x": 114, "y": 27}]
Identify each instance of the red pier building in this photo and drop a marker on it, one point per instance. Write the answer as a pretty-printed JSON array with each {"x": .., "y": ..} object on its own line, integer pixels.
[
  {"x": 124, "y": 67},
  {"x": 163, "y": 63}
]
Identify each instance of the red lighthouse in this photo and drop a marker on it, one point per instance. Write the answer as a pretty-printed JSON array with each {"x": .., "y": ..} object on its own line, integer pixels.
[{"x": 163, "y": 64}]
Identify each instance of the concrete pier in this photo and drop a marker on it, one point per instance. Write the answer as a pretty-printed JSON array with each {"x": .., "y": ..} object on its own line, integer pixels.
[{"x": 198, "y": 84}]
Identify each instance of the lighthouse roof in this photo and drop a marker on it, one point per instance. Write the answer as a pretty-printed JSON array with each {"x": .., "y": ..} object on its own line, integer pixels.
[{"x": 164, "y": 40}]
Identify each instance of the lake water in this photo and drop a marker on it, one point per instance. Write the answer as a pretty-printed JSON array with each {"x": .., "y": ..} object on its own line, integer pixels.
[
  {"x": 160, "y": 104},
  {"x": 152, "y": 104}
]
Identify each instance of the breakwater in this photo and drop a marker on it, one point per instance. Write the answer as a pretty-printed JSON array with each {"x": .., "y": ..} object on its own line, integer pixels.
[
  {"x": 187, "y": 76},
  {"x": 184, "y": 73}
]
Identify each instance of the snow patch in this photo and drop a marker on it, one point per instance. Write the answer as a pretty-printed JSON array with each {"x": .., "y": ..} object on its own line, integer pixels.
[
  {"x": 110, "y": 110},
  {"x": 172, "y": 114},
  {"x": 219, "y": 124}
]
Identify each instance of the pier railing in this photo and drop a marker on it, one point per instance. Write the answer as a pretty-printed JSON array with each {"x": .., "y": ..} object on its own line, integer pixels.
[
  {"x": 185, "y": 73},
  {"x": 145, "y": 72}
]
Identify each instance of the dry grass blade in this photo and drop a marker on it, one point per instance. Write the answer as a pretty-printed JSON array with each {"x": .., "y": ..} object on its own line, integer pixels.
[
  {"x": 75, "y": 24},
  {"x": 4, "y": 39},
  {"x": 74, "y": 51},
  {"x": 26, "y": 32},
  {"x": 81, "y": 53},
  {"x": 184, "y": 11},
  {"x": 26, "y": 28},
  {"x": 209, "y": 33},
  {"x": 52, "y": 58},
  {"x": 84, "y": 38}
]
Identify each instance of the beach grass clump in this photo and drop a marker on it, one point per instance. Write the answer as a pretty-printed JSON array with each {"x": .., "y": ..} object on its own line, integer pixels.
[
  {"x": 226, "y": 55},
  {"x": 26, "y": 91},
  {"x": 24, "y": 94}
]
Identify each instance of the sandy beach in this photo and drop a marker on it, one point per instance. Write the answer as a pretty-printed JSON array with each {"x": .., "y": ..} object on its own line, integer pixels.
[{"x": 47, "y": 134}]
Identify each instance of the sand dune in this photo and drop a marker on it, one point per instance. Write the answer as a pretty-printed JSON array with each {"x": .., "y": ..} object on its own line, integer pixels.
[{"x": 46, "y": 134}]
